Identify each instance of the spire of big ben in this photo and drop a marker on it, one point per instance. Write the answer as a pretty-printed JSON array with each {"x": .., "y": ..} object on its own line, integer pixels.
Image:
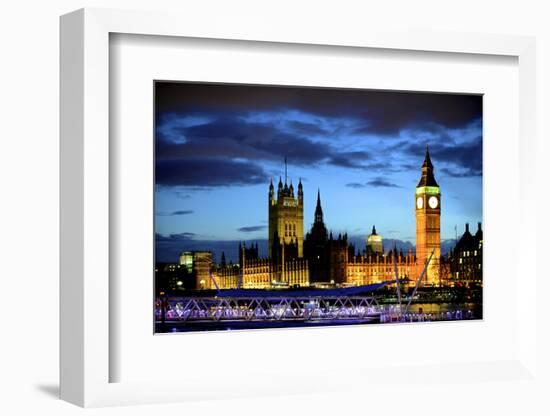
[
  {"x": 427, "y": 178},
  {"x": 427, "y": 161}
]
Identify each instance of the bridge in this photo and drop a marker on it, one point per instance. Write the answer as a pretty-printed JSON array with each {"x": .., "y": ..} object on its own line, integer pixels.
[{"x": 279, "y": 308}]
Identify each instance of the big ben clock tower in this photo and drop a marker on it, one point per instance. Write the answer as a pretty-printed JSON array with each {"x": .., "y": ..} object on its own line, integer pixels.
[{"x": 427, "y": 200}]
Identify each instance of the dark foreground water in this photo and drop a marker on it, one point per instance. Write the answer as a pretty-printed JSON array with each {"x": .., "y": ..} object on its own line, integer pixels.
[{"x": 418, "y": 313}]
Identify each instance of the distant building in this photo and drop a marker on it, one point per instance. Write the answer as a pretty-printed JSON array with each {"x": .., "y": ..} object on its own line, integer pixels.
[
  {"x": 186, "y": 260},
  {"x": 197, "y": 265},
  {"x": 374, "y": 243},
  {"x": 466, "y": 259},
  {"x": 170, "y": 277}
]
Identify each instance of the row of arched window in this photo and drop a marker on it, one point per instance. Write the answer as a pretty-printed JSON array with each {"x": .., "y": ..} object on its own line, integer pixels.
[{"x": 290, "y": 230}]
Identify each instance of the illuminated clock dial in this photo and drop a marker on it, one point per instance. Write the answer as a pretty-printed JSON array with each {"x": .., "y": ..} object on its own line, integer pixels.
[
  {"x": 419, "y": 202},
  {"x": 433, "y": 202}
]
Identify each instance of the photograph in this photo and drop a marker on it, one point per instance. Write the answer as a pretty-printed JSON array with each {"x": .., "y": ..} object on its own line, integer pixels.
[{"x": 293, "y": 206}]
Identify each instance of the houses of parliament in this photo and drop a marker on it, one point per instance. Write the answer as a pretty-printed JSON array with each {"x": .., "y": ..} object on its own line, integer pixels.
[{"x": 320, "y": 259}]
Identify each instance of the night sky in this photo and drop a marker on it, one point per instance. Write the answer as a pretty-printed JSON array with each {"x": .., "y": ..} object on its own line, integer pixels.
[{"x": 217, "y": 147}]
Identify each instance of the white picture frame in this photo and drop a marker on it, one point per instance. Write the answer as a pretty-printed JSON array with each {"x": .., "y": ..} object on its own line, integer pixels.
[{"x": 85, "y": 182}]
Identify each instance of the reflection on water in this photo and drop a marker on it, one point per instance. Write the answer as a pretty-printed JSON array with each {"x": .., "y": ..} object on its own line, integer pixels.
[{"x": 435, "y": 308}]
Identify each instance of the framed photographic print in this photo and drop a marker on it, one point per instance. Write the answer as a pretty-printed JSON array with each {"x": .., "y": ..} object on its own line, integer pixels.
[{"x": 293, "y": 207}]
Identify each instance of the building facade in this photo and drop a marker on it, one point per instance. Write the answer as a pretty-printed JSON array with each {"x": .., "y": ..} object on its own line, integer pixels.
[
  {"x": 254, "y": 272},
  {"x": 466, "y": 259}
]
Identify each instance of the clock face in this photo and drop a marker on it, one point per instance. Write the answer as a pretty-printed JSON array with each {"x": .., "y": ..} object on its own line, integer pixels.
[
  {"x": 433, "y": 202},
  {"x": 419, "y": 202}
]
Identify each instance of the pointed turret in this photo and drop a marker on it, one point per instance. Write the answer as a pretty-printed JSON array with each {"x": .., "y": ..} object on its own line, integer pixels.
[
  {"x": 300, "y": 190},
  {"x": 318, "y": 209},
  {"x": 479, "y": 233},
  {"x": 427, "y": 178},
  {"x": 271, "y": 189}
]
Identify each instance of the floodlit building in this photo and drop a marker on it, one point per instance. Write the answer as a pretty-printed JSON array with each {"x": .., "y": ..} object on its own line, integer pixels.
[
  {"x": 428, "y": 222},
  {"x": 374, "y": 242},
  {"x": 466, "y": 259}
]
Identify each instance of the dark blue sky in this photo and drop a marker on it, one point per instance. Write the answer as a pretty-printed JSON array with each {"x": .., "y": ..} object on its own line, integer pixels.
[{"x": 218, "y": 146}]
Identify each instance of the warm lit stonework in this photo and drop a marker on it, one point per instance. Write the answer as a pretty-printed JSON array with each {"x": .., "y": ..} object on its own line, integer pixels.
[
  {"x": 286, "y": 220},
  {"x": 428, "y": 224}
]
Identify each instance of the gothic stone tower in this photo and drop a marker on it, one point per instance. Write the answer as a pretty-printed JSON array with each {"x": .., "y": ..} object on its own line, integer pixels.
[
  {"x": 286, "y": 219},
  {"x": 315, "y": 247},
  {"x": 428, "y": 214}
]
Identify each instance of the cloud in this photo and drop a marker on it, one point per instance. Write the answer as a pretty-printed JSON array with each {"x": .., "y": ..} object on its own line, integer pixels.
[
  {"x": 235, "y": 137},
  {"x": 356, "y": 185},
  {"x": 354, "y": 160},
  {"x": 204, "y": 129},
  {"x": 230, "y": 151},
  {"x": 175, "y": 213},
  {"x": 460, "y": 173},
  {"x": 252, "y": 228},
  {"x": 377, "y": 111},
  {"x": 464, "y": 159},
  {"x": 208, "y": 173},
  {"x": 174, "y": 237},
  {"x": 306, "y": 128},
  {"x": 376, "y": 182},
  {"x": 381, "y": 183},
  {"x": 467, "y": 158}
]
